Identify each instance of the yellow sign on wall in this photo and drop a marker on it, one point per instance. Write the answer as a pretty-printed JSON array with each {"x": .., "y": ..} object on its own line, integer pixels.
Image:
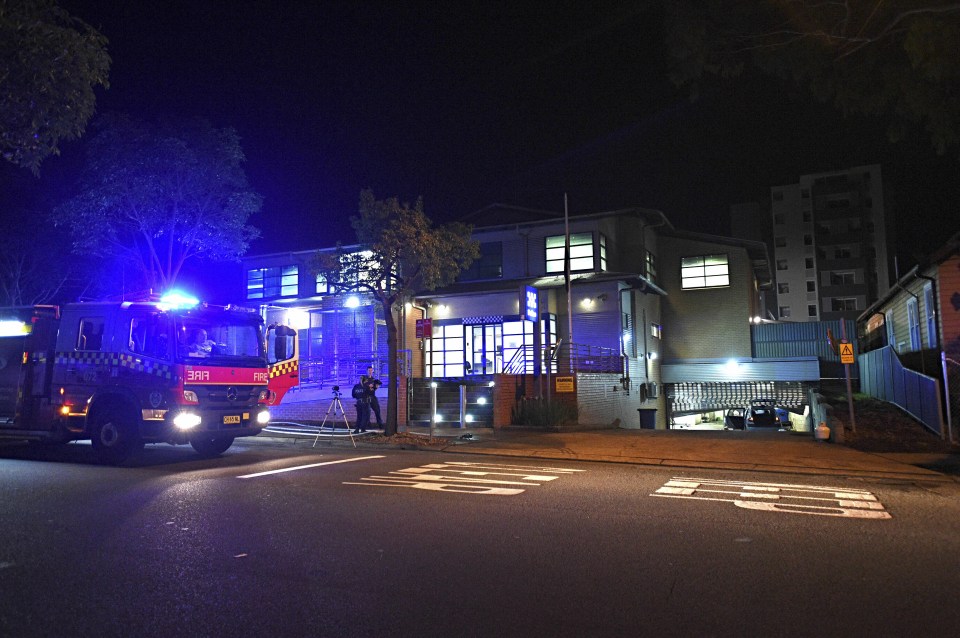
[{"x": 564, "y": 384}]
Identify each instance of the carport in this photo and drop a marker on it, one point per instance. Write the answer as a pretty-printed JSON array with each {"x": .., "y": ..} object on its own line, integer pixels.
[{"x": 698, "y": 386}]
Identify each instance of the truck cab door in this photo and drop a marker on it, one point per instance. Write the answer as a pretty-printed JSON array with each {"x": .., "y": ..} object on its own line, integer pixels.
[{"x": 283, "y": 358}]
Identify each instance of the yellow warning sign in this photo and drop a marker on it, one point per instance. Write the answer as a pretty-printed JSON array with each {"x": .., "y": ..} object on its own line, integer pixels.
[{"x": 846, "y": 352}]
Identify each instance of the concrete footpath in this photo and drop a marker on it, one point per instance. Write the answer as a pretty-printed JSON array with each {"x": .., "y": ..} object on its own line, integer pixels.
[{"x": 787, "y": 452}]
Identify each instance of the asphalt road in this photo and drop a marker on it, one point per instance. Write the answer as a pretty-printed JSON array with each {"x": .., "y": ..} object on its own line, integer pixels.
[{"x": 407, "y": 543}]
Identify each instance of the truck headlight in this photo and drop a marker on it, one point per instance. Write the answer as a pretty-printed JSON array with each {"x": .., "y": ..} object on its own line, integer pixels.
[
  {"x": 186, "y": 420},
  {"x": 263, "y": 417}
]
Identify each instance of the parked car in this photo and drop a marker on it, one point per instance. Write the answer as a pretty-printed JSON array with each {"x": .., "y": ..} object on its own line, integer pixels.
[
  {"x": 761, "y": 415},
  {"x": 733, "y": 419}
]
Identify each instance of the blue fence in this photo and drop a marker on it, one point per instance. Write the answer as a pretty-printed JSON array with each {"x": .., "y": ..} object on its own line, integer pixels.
[{"x": 882, "y": 376}]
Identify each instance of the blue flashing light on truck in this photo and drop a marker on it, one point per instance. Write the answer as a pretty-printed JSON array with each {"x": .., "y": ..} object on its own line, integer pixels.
[{"x": 128, "y": 373}]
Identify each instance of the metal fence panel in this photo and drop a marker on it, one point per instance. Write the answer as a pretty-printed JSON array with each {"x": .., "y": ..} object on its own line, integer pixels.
[{"x": 882, "y": 376}]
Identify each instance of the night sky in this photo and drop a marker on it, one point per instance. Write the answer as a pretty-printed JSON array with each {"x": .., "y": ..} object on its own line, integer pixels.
[{"x": 472, "y": 103}]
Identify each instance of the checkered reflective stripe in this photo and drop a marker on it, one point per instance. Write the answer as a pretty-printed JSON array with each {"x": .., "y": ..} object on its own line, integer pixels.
[
  {"x": 130, "y": 362},
  {"x": 284, "y": 367},
  {"x": 472, "y": 321}
]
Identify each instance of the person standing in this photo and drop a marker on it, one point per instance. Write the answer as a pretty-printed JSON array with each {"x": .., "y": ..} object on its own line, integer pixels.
[
  {"x": 363, "y": 406},
  {"x": 370, "y": 384}
]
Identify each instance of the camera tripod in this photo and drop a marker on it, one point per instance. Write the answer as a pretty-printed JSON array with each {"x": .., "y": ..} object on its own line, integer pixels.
[{"x": 336, "y": 407}]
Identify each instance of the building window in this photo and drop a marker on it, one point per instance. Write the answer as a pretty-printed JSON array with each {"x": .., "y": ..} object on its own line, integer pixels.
[
  {"x": 808, "y": 262},
  {"x": 931, "y": 316},
  {"x": 891, "y": 331},
  {"x": 782, "y": 264},
  {"x": 784, "y": 312},
  {"x": 808, "y": 240},
  {"x": 264, "y": 283},
  {"x": 603, "y": 252},
  {"x": 783, "y": 289},
  {"x": 842, "y": 253},
  {"x": 812, "y": 310},
  {"x": 811, "y": 285},
  {"x": 651, "y": 264},
  {"x": 581, "y": 253},
  {"x": 322, "y": 286},
  {"x": 780, "y": 242},
  {"x": 846, "y": 278},
  {"x": 444, "y": 351},
  {"x": 778, "y": 219},
  {"x": 656, "y": 330},
  {"x": 843, "y": 304},
  {"x": 706, "y": 271},
  {"x": 489, "y": 265},
  {"x": 807, "y": 216},
  {"x": 913, "y": 323}
]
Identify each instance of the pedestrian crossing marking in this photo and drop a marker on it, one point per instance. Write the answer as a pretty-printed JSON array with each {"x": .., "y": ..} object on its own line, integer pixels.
[
  {"x": 468, "y": 478},
  {"x": 778, "y": 497}
]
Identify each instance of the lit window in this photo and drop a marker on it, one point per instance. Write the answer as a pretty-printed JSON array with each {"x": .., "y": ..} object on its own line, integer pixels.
[
  {"x": 656, "y": 330},
  {"x": 322, "y": 286},
  {"x": 706, "y": 271},
  {"x": 581, "y": 253},
  {"x": 272, "y": 282}
]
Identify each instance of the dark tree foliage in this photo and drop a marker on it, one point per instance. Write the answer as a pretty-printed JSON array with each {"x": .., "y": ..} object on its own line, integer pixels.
[
  {"x": 157, "y": 196},
  {"x": 897, "y": 60},
  {"x": 400, "y": 253},
  {"x": 50, "y": 63}
]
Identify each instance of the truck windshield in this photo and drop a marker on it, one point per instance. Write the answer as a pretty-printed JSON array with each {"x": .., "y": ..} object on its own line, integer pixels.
[{"x": 208, "y": 338}]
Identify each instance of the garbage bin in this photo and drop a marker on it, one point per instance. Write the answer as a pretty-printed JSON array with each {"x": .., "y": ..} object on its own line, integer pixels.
[{"x": 648, "y": 418}]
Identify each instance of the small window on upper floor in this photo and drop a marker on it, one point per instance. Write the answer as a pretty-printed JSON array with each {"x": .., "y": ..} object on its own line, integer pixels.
[
  {"x": 812, "y": 310},
  {"x": 782, "y": 264},
  {"x": 651, "y": 266},
  {"x": 808, "y": 262},
  {"x": 783, "y": 289},
  {"x": 489, "y": 265},
  {"x": 778, "y": 219},
  {"x": 780, "y": 242},
  {"x": 784, "y": 312},
  {"x": 811, "y": 285}
]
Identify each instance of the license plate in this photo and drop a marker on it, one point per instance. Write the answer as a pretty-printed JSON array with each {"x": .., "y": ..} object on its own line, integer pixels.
[{"x": 232, "y": 419}]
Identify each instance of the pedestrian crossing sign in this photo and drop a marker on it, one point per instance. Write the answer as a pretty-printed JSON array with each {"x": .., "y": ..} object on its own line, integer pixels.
[{"x": 846, "y": 352}]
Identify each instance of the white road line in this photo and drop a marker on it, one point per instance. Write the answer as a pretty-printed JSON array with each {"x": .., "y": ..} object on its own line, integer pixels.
[{"x": 303, "y": 467}]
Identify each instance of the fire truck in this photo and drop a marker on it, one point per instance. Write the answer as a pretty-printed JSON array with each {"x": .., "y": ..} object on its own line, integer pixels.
[{"x": 123, "y": 374}]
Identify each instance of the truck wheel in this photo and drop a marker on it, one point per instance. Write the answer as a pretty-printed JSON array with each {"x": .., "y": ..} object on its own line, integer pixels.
[
  {"x": 114, "y": 438},
  {"x": 209, "y": 446}
]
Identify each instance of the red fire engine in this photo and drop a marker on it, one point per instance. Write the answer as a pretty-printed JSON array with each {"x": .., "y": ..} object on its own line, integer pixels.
[{"x": 129, "y": 373}]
